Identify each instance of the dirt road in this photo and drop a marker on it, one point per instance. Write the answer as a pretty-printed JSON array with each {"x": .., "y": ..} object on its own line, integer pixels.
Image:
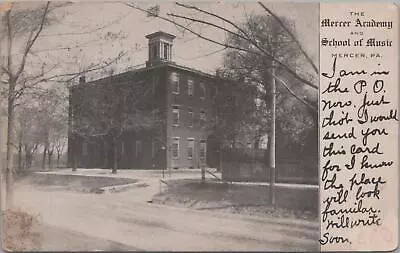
[{"x": 125, "y": 218}]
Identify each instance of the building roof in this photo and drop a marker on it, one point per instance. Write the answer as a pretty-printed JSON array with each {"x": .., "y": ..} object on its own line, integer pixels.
[
  {"x": 160, "y": 34},
  {"x": 163, "y": 65}
]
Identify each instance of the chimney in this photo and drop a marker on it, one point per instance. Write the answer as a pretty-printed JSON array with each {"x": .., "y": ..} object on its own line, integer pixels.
[{"x": 160, "y": 48}]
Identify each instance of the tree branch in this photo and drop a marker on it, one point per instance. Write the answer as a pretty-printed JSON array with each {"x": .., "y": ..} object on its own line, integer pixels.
[
  {"x": 9, "y": 44},
  {"x": 31, "y": 41},
  {"x": 227, "y": 45},
  {"x": 25, "y": 82},
  {"x": 213, "y": 15},
  {"x": 90, "y": 31},
  {"x": 74, "y": 75},
  {"x": 281, "y": 81},
  {"x": 5, "y": 70},
  {"x": 185, "y": 28},
  {"x": 264, "y": 52},
  {"x": 210, "y": 24},
  {"x": 284, "y": 84},
  {"x": 291, "y": 35}
]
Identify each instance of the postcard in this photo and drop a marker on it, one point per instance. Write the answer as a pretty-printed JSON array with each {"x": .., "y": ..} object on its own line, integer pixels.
[{"x": 199, "y": 126}]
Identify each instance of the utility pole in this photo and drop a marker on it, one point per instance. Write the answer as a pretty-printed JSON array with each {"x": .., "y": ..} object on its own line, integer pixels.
[{"x": 273, "y": 143}]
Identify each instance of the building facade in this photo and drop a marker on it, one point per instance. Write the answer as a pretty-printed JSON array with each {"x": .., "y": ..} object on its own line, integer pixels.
[{"x": 181, "y": 97}]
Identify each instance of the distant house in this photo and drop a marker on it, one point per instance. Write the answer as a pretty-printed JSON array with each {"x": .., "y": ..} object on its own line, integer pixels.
[{"x": 183, "y": 97}]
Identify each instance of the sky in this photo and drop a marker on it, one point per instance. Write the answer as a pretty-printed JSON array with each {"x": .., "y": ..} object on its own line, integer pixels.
[{"x": 89, "y": 32}]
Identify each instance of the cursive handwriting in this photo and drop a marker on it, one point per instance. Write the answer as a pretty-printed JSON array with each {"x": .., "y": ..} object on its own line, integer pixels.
[{"x": 357, "y": 119}]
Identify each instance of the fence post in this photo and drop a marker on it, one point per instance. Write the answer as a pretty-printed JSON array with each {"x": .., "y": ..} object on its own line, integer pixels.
[{"x": 203, "y": 173}]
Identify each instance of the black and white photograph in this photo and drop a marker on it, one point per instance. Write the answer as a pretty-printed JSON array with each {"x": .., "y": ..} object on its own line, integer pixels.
[{"x": 161, "y": 126}]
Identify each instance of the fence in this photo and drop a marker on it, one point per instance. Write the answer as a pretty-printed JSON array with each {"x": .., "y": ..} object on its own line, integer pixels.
[
  {"x": 244, "y": 164},
  {"x": 252, "y": 165}
]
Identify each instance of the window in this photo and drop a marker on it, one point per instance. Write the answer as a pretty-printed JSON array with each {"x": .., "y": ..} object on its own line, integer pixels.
[
  {"x": 175, "y": 83},
  {"x": 203, "y": 150},
  {"x": 202, "y": 117},
  {"x": 202, "y": 91},
  {"x": 190, "y": 87},
  {"x": 190, "y": 148},
  {"x": 175, "y": 115},
  {"x": 190, "y": 116},
  {"x": 166, "y": 51},
  {"x": 138, "y": 148},
  {"x": 175, "y": 148}
]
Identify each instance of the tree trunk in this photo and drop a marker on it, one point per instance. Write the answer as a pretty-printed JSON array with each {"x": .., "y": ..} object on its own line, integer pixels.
[
  {"x": 74, "y": 158},
  {"x": 73, "y": 152},
  {"x": 106, "y": 155},
  {"x": 49, "y": 156},
  {"x": 74, "y": 163},
  {"x": 44, "y": 158},
  {"x": 203, "y": 173},
  {"x": 115, "y": 158},
  {"x": 10, "y": 149},
  {"x": 220, "y": 159},
  {"x": 28, "y": 158},
  {"x": 58, "y": 159},
  {"x": 20, "y": 165}
]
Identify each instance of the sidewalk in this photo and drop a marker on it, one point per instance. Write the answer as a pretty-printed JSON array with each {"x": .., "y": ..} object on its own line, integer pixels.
[
  {"x": 143, "y": 175},
  {"x": 133, "y": 174},
  {"x": 281, "y": 185}
]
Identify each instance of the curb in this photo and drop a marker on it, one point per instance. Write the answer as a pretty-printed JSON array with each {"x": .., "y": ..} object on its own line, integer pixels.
[{"x": 117, "y": 188}]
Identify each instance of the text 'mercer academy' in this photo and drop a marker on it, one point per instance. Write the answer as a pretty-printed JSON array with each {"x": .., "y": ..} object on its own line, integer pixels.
[{"x": 327, "y": 22}]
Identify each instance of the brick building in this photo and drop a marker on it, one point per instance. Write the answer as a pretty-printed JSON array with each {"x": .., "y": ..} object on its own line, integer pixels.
[{"x": 182, "y": 96}]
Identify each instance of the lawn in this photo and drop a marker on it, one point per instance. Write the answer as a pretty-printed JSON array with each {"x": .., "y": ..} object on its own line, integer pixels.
[{"x": 245, "y": 199}]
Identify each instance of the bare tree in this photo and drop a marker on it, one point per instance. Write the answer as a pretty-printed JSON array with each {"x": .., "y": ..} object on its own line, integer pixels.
[
  {"x": 108, "y": 109},
  {"x": 21, "y": 74},
  {"x": 235, "y": 30},
  {"x": 59, "y": 146},
  {"x": 257, "y": 70},
  {"x": 53, "y": 118},
  {"x": 269, "y": 46},
  {"x": 237, "y": 112},
  {"x": 14, "y": 72},
  {"x": 42, "y": 126},
  {"x": 29, "y": 136}
]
